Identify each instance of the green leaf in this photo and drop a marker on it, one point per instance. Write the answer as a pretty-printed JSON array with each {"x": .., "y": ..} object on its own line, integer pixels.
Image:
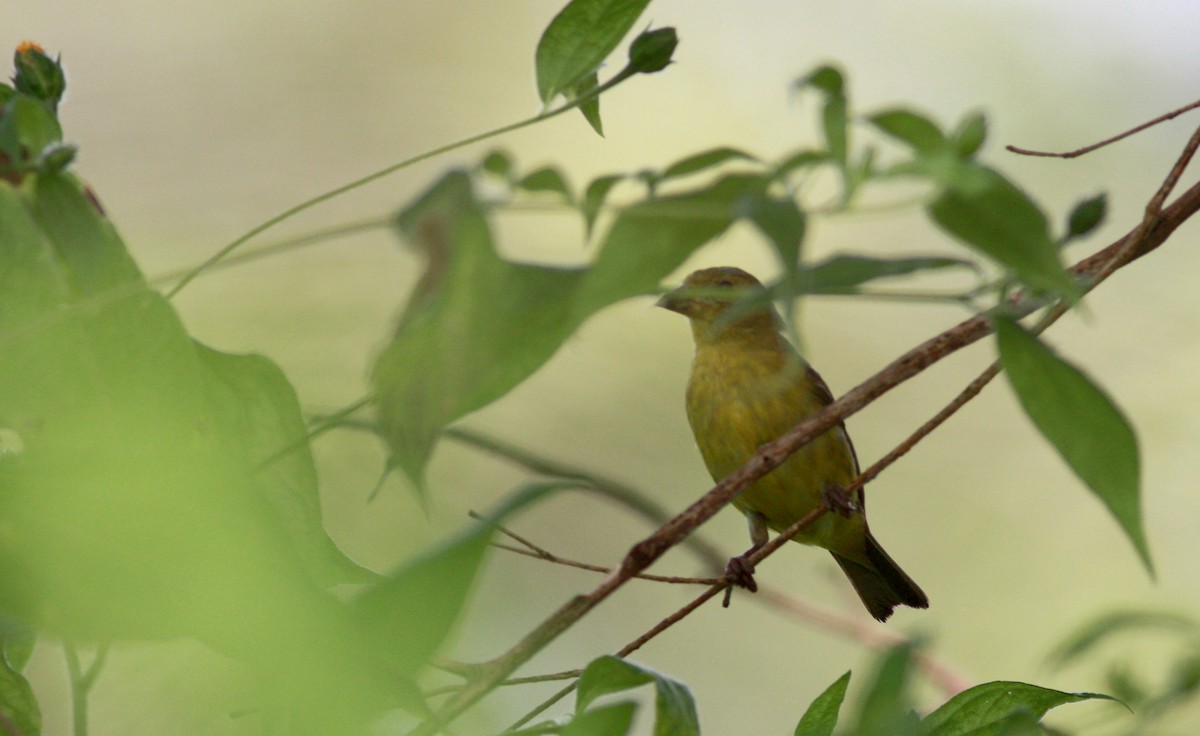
[
  {"x": 970, "y": 135},
  {"x": 590, "y": 107},
  {"x": 830, "y": 82},
  {"x": 579, "y": 38},
  {"x": 652, "y": 50},
  {"x": 27, "y": 126},
  {"x": 1100, "y": 629},
  {"x": 783, "y": 223},
  {"x": 547, "y": 179},
  {"x": 1087, "y": 216},
  {"x": 594, "y": 197},
  {"x": 987, "y": 212},
  {"x": 844, "y": 274},
  {"x": 477, "y": 325},
  {"x": 990, "y": 709},
  {"x": 499, "y": 164},
  {"x": 18, "y": 705},
  {"x": 822, "y": 716},
  {"x": 913, "y": 129},
  {"x": 16, "y": 644},
  {"x": 705, "y": 160},
  {"x": 409, "y": 615},
  {"x": 259, "y": 415},
  {"x": 608, "y": 720},
  {"x": 675, "y": 711},
  {"x": 887, "y": 707},
  {"x": 1082, "y": 423},
  {"x": 798, "y": 160}
]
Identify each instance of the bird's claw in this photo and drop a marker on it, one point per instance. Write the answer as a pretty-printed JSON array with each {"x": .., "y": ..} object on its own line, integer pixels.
[
  {"x": 739, "y": 572},
  {"x": 837, "y": 500}
]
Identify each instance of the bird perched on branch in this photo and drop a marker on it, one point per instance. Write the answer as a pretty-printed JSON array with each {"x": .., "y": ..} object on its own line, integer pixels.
[{"x": 748, "y": 387}]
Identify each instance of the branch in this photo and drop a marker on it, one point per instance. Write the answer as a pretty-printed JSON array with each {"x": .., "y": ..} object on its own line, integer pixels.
[
  {"x": 1088, "y": 149},
  {"x": 1154, "y": 229}
]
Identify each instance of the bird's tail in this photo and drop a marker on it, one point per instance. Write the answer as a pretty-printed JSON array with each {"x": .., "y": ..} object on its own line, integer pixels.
[{"x": 880, "y": 582}]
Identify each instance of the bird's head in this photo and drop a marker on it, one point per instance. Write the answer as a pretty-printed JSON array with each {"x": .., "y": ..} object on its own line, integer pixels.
[{"x": 717, "y": 299}]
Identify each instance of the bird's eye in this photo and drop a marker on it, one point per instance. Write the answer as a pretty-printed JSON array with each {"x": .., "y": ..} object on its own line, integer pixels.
[{"x": 725, "y": 283}]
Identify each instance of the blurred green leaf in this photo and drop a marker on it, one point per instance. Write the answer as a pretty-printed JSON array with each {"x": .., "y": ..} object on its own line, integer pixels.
[
  {"x": 409, "y": 614},
  {"x": 18, "y": 705},
  {"x": 1087, "y": 216},
  {"x": 259, "y": 415},
  {"x": 477, "y": 325},
  {"x": 1101, "y": 628},
  {"x": 829, "y": 81},
  {"x": 970, "y": 135},
  {"x": 27, "y": 126},
  {"x": 499, "y": 164},
  {"x": 135, "y": 517},
  {"x": 822, "y": 716},
  {"x": 675, "y": 711},
  {"x": 37, "y": 75},
  {"x": 887, "y": 709},
  {"x": 844, "y": 274},
  {"x": 991, "y": 709},
  {"x": 579, "y": 38},
  {"x": 594, "y": 198},
  {"x": 783, "y": 223},
  {"x": 547, "y": 179},
  {"x": 705, "y": 160},
  {"x": 910, "y": 128},
  {"x": 799, "y": 160},
  {"x": 1082, "y": 423},
  {"x": 608, "y": 720},
  {"x": 987, "y": 212},
  {"x": 16, "y": 644}
]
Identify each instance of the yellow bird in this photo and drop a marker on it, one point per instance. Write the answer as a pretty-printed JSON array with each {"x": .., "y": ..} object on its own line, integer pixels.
[{"x": 748, "y": 387}]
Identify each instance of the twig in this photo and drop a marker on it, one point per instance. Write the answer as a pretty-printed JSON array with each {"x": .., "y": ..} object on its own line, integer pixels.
[
  {"x": 622, "y": 493},
  {"x": 1088, "y": 149},
  {"x": 81, "y": 683}
]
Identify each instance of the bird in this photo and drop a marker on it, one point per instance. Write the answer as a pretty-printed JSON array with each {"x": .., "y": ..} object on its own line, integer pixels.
[{"x": 749, "y": 386}]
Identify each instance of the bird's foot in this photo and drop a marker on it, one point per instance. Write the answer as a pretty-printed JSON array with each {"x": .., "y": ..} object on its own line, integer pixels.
[
  {"x": 837, "y": 500},
  {"x": 739, "y": 571}
]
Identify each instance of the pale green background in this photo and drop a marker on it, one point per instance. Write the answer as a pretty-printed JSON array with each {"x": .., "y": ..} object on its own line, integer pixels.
[{"x": 197, "y": 121}]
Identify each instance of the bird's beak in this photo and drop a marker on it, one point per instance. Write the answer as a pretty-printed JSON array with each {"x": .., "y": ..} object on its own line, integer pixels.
[{"x": 674, "y": 302}]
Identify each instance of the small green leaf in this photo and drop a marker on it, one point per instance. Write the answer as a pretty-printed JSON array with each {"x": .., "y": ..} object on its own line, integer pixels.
[
  {"x": 844, "y": 274},
  {"x": 16, "y": 644},
  {"x": 579, "y": 38},
  {"x": 1087, "y": 216},
  {"x": 1100, "y": 629},
  {"x": 989, "y": 213},
  {"x": 705, "y": 160},
  {"x": 547, "y": 179},
  {"x": 675, "y": 711},
  {"x": 499, "y": 164},
  {"x": 910, "y": 128},
  {"x": 608, "y": 720},
  {"x": 822, "y": 716},
  {"x": 18, "y": 705},
  {"x": 970, "y": 135},
  {"x": 799, "y": 160},
  {"x": 830, "y": 82},
  {"x": 887, "y": 708},
  {"x": 594, "y": 197},
  {"x": 1082, "y": 423},
  {"x": 783, "y": 222},
  {"x": 27, "y": 127},
  {"x": 37, "y": 75},
  {"x": 988, "y": 709},
  {"x": 590, "y": 107}
]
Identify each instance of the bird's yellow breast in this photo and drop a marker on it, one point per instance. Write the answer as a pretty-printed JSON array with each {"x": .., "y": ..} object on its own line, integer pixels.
[{"x": 744, "y": 394}]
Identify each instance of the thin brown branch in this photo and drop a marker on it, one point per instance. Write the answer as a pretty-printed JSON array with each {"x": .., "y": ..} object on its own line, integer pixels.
[
  {"x": 548, "y": 557},
  {"x": 1107, "y": 141},
  {"x": 1147, "y": 236}
]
